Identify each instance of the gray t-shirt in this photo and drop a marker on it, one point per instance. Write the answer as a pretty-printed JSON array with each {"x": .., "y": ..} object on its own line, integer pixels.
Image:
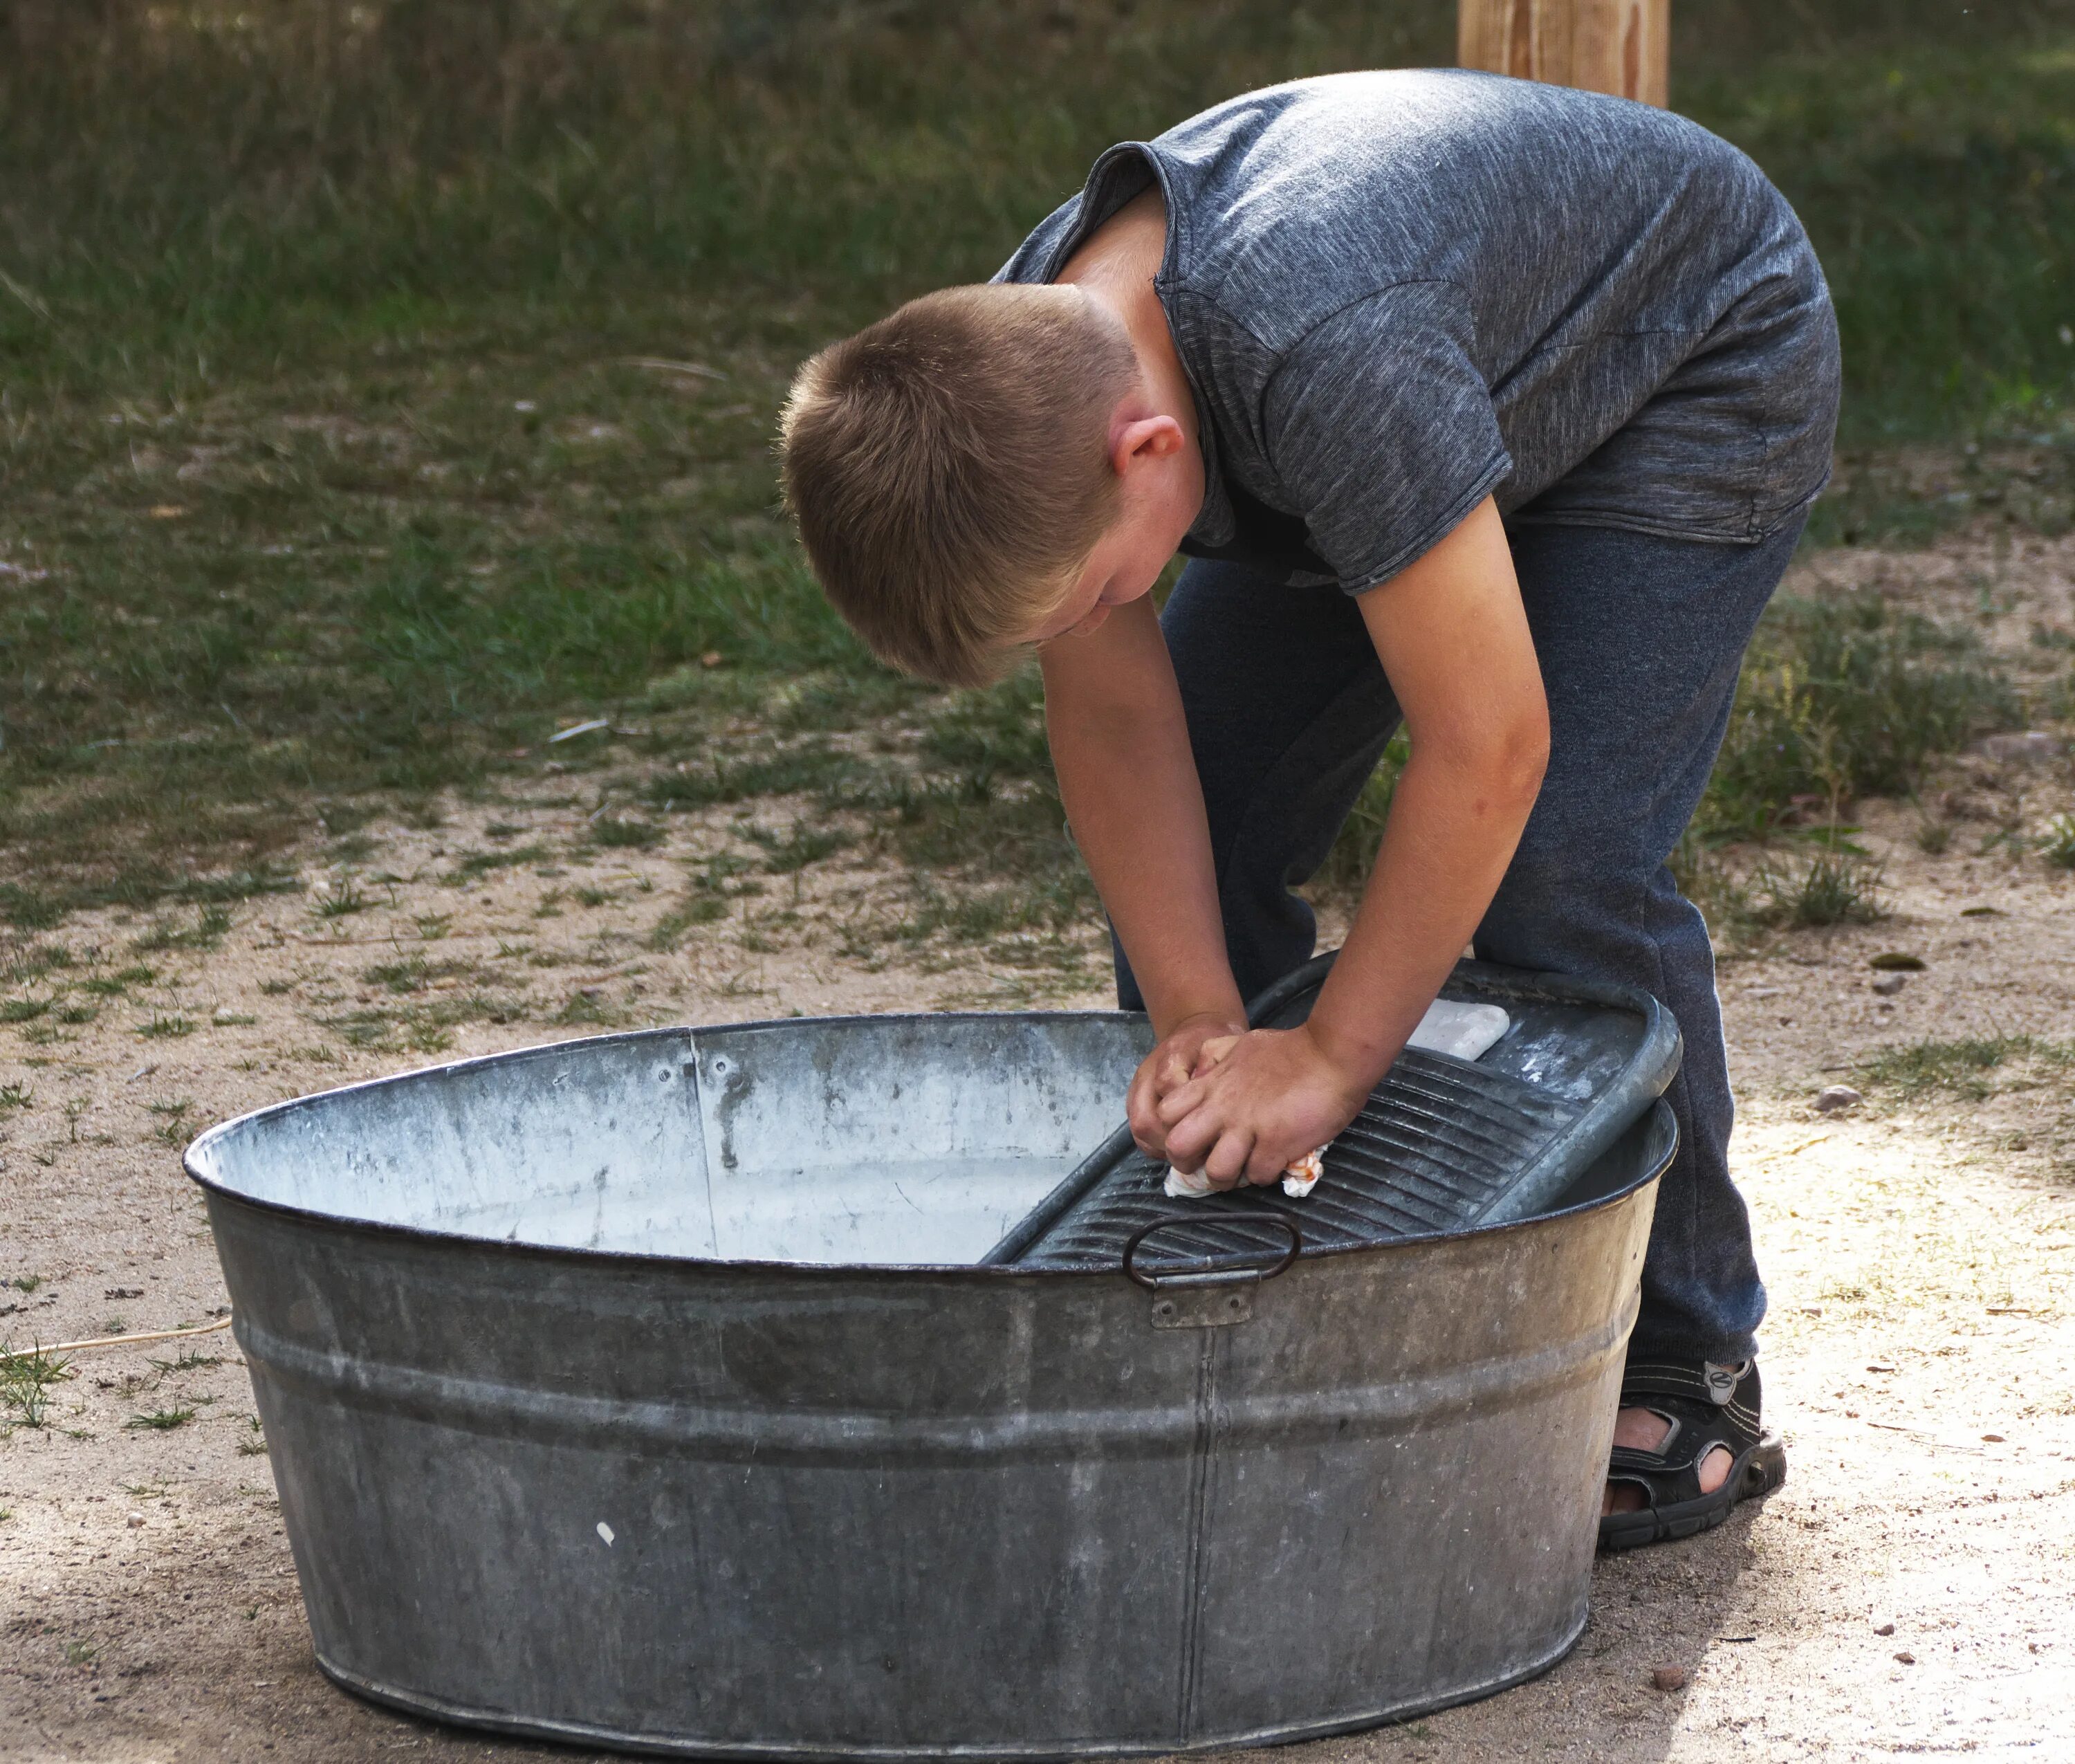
[{"x": 1397, "y": 293}]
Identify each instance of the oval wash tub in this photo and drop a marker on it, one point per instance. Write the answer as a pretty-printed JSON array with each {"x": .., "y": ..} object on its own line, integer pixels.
[{"x": 656, "y": 1391}]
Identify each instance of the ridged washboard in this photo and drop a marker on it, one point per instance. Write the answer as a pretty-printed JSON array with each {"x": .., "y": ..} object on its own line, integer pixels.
[{"x": 1441, "y": 1145}]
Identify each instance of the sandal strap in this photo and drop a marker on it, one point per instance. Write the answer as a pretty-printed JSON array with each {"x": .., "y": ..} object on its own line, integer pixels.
[
  {"x": 1733, "y": 1392},
  {"x": 1685, "y": 1395}
]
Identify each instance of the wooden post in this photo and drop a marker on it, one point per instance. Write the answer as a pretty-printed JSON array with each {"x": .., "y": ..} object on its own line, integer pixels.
[{"x": 1616, "y": 46}]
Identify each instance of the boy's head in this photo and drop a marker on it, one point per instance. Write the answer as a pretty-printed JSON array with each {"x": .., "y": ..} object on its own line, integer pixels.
[{"x": 952, "y": 469}]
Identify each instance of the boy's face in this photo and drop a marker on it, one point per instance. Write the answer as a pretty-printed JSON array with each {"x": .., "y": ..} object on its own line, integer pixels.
[{"x": 1161, "y": 493}]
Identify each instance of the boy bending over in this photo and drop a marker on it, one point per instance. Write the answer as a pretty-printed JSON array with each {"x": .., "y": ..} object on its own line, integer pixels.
[{"x": 1492, "y": 406}]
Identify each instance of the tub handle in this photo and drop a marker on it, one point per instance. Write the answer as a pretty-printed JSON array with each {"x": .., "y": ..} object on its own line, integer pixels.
[{"x": 1216, "y": 1296}]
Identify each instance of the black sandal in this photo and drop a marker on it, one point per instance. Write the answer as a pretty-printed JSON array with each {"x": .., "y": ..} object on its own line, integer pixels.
[{"x": 1708, "y": 1406}]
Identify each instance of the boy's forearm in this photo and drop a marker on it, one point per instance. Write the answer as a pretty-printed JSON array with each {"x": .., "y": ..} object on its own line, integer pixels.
[
  {"x": 1451, "y": 831},
  {"x": 1128, "y": 782}
]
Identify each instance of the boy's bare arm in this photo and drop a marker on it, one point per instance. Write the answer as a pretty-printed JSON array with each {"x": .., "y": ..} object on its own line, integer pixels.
[
  {"x": 1113, "y": 713},
  {"x": 1453, "y": 638}
]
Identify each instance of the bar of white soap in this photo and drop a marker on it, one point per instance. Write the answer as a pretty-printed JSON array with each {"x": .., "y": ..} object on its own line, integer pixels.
[{"x": 1466, "y": 1031}]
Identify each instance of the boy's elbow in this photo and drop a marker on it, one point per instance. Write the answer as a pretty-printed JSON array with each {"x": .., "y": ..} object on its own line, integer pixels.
[
  {"x": 1526, "y": 758},
  {"x": 1501, "y": 764}
]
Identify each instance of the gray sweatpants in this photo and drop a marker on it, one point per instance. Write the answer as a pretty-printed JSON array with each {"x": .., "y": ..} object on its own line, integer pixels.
[{"x": 1639, "y": 640}]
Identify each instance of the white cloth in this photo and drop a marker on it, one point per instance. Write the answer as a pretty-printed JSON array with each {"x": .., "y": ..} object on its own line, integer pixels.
[{"x": 1466, "y": 1031}]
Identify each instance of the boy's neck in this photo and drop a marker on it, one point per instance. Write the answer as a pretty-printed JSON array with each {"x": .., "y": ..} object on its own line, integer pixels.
[{"x": 1115, "y": 265}]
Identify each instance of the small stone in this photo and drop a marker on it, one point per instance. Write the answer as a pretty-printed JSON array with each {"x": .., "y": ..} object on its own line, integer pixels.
[
  {"x": 711, "y": 659},
  {"x": 1889, "y": 984},
  {"x": 1667, "y": 1678},
  {"x": 1898, "y": 962},
  {"x": 136, "y": 1521},
  {"x": 1992, "y": 1439},
  {"x": 1906, "y": 1658},
  {"x": 1834, "y": 1098},
  {"x": 1883, "y": 1628}
]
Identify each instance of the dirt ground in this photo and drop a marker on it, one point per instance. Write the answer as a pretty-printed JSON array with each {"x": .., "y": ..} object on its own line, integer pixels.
[{"x": 1911, "y": 1591}]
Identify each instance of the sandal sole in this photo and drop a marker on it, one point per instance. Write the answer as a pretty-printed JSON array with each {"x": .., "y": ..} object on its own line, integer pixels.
[{"x": 1761, "y": 1469}]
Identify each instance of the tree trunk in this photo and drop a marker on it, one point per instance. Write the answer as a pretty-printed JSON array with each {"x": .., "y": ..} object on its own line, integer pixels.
[{"x": 1616, "y": 46}]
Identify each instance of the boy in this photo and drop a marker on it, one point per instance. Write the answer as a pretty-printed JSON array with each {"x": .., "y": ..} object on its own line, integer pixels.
[{"x": 1493, "y": 407}]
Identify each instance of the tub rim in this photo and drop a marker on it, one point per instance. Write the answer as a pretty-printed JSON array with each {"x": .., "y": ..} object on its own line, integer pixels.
[{"x": 219, "y": 1190}]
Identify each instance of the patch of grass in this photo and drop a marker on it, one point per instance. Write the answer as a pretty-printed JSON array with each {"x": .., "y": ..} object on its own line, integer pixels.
[
  {"x": 1843, "y": 698},
  {"x": 26, "y": 1380},
  {"x": 981, "y": 914},
  {"x": 759, "y": 768},
  {"x": 24, "y": 1010},
  {"x": 238, "y": 885},
  {"x": 172, "y": 1129},
  {"x": 416, "y": 973},
  {"x": 188, "y": 1360},
  {"x": 254, "y": 1444},
  {"x": 341, "y": 900},
  {"x": 788, "y": 852},
  {"x": 477, "y": 864},
  {"x": 166, "y": 1026},
  {"x": 206, "y": 933},
  {"x": 622, "y": 834},
  {"x": 589, "y": 1007},
  {"x": 421, "y": 1026},
  {"x": 1960, "y": 1067},
  {"x": 161, "y": 1420},
  {"x": 15, "y": 1096},
  {"x": 1824, "y": 887},
  {"x": 699, "y": 907},
  {"x": 116, "y": 984},
  {"x": 33, "y": 961}
]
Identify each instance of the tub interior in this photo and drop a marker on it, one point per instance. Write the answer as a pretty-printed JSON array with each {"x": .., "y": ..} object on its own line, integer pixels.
[{"x": 888, "y": 1140}]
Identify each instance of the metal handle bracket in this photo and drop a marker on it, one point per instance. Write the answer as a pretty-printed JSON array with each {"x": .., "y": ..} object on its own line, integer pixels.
[{"x": 1208, "y": 1298}]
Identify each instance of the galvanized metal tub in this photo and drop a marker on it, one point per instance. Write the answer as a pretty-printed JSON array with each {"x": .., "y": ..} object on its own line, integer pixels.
[{"x": 799, "y": 1479}]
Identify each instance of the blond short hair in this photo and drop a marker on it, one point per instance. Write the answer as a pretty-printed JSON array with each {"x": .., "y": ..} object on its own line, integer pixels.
[{"x": 949, "y": 469}]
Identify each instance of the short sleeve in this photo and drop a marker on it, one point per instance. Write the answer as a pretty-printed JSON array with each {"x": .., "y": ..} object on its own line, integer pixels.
[{"x": 1380, "y": 430}]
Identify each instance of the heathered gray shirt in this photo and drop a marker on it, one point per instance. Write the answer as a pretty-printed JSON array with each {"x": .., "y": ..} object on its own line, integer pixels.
[{"x": 1397, "y": 293}]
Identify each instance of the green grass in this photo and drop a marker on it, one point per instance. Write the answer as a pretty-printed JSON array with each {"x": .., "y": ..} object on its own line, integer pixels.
[
  {"x": 1962, "y": 1067},
  {"x": 1824, "y": 887},
  {"x": 422, "y": 1026},
  {"x": 26, "y": 1377},
  {"x": 620, "y": 833},
  {"x": 1844, "y": 698},
  {"x": 207, "y": 931},
  {"x": 390, "y": 386}
]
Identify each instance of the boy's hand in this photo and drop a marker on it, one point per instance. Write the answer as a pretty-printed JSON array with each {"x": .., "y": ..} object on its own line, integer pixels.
[
  {"x": 1256, "y": 1105},
  {"x": 1178, "y": 1058}
]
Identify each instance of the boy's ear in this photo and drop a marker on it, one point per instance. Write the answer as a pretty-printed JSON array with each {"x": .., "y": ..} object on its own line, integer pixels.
[{"x": 1138, "y": 440}]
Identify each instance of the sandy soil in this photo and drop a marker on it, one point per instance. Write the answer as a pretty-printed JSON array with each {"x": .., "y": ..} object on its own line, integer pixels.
[{"x": 1912, "y": 1590}]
